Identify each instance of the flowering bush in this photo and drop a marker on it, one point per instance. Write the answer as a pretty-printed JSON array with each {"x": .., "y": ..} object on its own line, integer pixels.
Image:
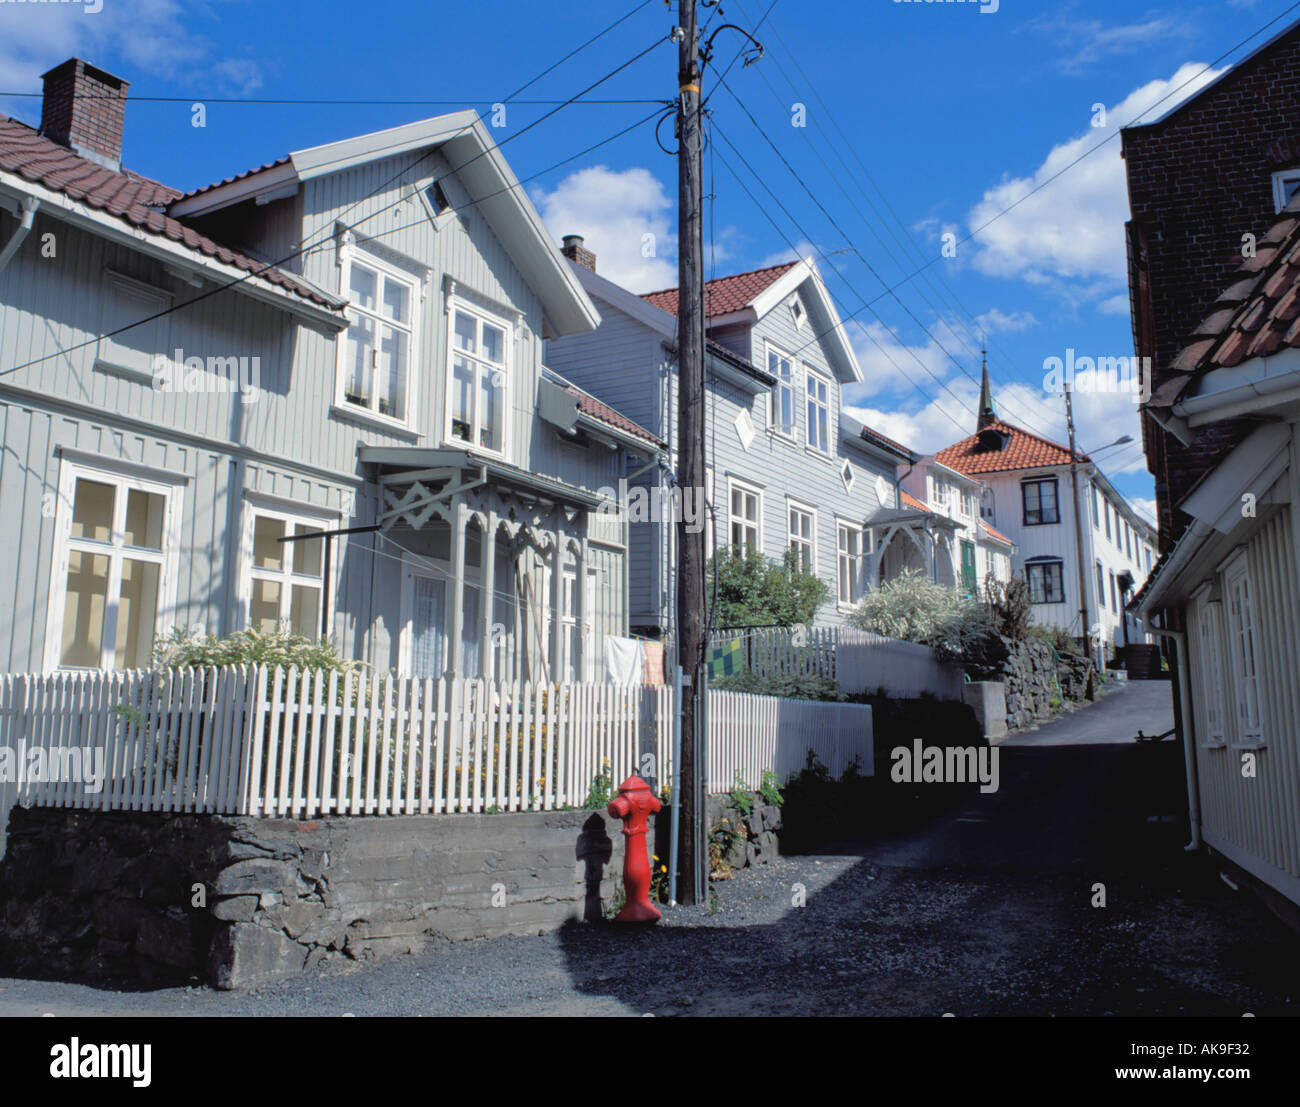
[{"x": 915, "y": 609}]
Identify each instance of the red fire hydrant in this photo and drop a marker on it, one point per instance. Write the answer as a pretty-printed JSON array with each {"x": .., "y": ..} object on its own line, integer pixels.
[{"x": 635, "y": 804}]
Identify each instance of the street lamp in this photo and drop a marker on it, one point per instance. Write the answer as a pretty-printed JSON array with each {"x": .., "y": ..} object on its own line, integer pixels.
[{"x": 1124, "y": 441}]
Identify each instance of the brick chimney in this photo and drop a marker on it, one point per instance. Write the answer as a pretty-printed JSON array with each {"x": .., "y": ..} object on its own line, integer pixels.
[
  {"x": 574, "y": 250},
  {"x": 84, "y": 109}
]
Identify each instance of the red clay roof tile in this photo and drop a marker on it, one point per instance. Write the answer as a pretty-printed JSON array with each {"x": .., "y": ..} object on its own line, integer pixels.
[
  {"x": 126, "y": 195},
  {"x": 1023, "y": 450},
  {"x": 724, "y": 295}
]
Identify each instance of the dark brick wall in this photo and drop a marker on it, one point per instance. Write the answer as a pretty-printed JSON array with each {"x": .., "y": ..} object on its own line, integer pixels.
[
  {"x": 85, "y": 108},
  {"x": 1197, "y": 183}
]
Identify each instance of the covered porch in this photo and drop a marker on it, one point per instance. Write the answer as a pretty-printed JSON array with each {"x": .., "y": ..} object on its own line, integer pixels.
[
  {"x": 503, "y": 573},
  {"x": 911, "y": 538}
]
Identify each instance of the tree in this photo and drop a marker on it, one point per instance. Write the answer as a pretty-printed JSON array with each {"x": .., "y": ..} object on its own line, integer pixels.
[{"x": 756, "y": 591}]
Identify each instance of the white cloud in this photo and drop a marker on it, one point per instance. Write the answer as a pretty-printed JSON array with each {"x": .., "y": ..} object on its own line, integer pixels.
[
  {"x": 941, "y": 408},
  {"x": 615, "y": 211},
  {"x": 148, "y": 38},
  {"x": 1073, "y": 229},
  {"x": 994, "y": 320},
  {"x": 1091, "y": 40},
  {"x": 1144, "y": 507}
]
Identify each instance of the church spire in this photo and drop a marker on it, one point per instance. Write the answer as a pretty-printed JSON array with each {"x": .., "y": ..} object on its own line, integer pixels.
[{"x": 988, "y": 413}]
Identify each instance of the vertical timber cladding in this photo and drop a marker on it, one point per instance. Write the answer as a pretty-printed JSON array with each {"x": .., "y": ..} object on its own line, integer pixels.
[{"x": 1246, "y": 817}]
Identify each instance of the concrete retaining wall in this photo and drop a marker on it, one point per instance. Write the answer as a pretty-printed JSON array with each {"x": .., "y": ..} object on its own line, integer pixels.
[
  {"x": 239, "y": 901},
  {"x": 898, "y": 670}
]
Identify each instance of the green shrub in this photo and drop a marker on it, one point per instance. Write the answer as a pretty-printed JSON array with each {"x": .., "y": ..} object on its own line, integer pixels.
[
  {"x": 799, "y": 686},
  {"x": 741, "y": 800},
  {"x": 1010, "y": 606},
  {"x": 601, "y": 792},
  {"x": 755, "y": 591},
  {"x": 1057, "y": 638},
  {"x": 770, "y": 789},
  {"x": 916, "y": 609},
  {"x": 181, "y": 649}
]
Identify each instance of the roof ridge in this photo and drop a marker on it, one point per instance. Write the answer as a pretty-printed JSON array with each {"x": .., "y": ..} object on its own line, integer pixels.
[{"x": 725, "y": 277}]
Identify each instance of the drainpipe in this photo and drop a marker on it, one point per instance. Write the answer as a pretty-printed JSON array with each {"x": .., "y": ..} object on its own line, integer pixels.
[
  {"x": 1189, "y": 738},
  {"x": 29, "y": 206}
]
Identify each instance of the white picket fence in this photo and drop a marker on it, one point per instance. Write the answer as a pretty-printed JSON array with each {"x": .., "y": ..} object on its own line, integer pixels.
[
  {"x": 789, "y": 651},
  {"x": 750, "y": 734},
  {"x": 252, "y": 741}
]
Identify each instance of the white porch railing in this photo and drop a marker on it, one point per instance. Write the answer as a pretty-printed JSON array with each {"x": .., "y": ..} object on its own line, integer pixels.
[{"x": 252, "y": 741}]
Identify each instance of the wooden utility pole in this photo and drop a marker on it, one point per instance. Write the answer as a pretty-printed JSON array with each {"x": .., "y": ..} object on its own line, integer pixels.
[
  {"x": 1078, "y": 527},
  {"x": 690, "y": 441}
]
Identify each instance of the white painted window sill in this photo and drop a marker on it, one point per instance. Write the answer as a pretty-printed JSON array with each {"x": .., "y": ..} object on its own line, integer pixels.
[{"x": 370, "y": 419}]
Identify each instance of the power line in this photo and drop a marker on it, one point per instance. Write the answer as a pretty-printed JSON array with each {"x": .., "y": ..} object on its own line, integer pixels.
[
  {"x": 906, "y": 243},
  {"x": 840, "y": 230},
  {"x": 284, "y": 102},
  {"x": 869, "y": 304},
  {"x": 762, "y": 208},
  {"x": 307, "y": 246}
]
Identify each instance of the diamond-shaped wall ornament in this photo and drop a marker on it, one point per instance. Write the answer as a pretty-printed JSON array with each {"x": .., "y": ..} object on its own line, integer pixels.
[
  {"x": 846, "y": 475},
  {"x": 745, "y": 429}
]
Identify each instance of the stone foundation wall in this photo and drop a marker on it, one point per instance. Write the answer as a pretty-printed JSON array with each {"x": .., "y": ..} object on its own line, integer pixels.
[
  {"x": 760, "y": 843},
  {"x": 1030, "y": 674},
  {"x": 234, "y": 902}
]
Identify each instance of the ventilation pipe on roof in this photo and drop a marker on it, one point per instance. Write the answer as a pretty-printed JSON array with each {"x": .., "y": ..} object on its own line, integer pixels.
[{"x": 26, "y": 215}]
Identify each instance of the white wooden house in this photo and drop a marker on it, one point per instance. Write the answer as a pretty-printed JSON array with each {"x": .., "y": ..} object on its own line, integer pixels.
[
  {"x": 1028, "y": 498},
  {"x": 379, "y": 304},
  {"x": 1229, "y": 589},
  {"x": 786, "y": 467}
]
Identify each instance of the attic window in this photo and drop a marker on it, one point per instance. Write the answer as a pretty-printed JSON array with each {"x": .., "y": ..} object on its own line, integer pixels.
[
  {"x": 798, "y": 312},
  {"x": 437, "y": 198},
  {"x": 1285, "y": 185},
  {"x": 992, "y": 440}
]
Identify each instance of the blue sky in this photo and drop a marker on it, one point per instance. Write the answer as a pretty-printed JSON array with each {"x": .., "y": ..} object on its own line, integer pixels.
[{"x": 921, "y": 119}]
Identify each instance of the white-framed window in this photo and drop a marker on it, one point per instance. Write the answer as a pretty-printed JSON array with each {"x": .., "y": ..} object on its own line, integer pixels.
[
  {"x": 1040, "y": 502},
  {"x": 1128, "y": 540},
  {"x": 849, "y": 546},
  {"x": 1101, "y": 585},
  {"x": 114, "y": 577},
  {"x": 127, "y": 301},
  {"x": 377, "y": 350},
  {"x": 1241, "y": 647},
  {"x": 283, "y": 582},
  {"x": 940, "y": 492},
  {"x": 969, "y": 505},
  {"x": 781, "y": 366},
  {"x": 478, "y": 378},
  {"x": 1114, "y": 594},
  {"x": 1046, "y": 581},
  {"x": 803, "y": 535},
  {"x": 1285, "y": 185},
  {"x": 1096, "y": 513},
  {"x": 745, "y": 512},
  {"x": 1208, "y": 638},
  {"x": 819, "y": 411}
]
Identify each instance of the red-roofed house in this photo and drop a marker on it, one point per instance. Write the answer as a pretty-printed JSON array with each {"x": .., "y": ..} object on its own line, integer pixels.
[
  {"x": 1026, "y": 495},
  {"x": 1229, "y": 588},
  {"x": 786, "y": 467},
  {"x": 368, "y": 358}
]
